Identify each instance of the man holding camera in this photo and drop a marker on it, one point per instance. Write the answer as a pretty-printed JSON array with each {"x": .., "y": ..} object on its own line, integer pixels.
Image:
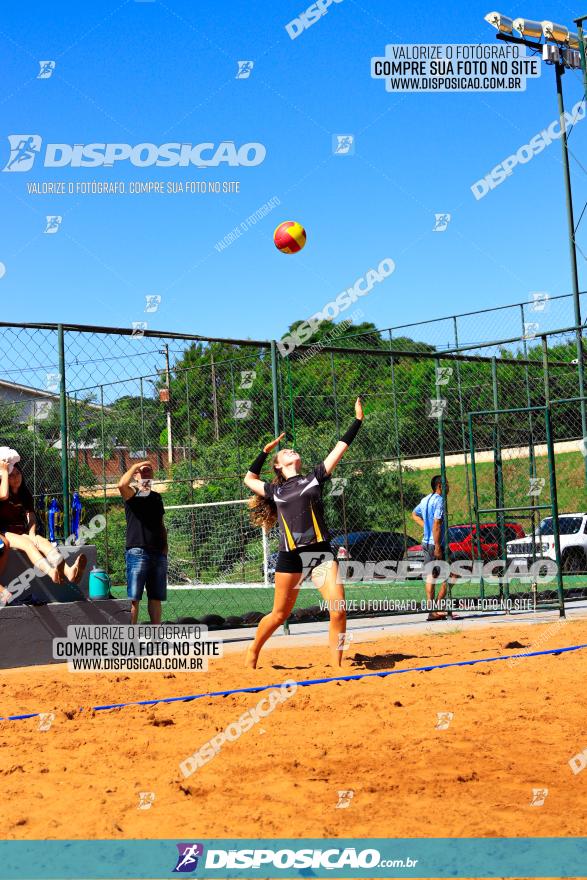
[{"x": 146, "y": 541}]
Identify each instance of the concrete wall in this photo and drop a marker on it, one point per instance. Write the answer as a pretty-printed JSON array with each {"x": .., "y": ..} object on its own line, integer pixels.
[{"x": 27, "y": 632}]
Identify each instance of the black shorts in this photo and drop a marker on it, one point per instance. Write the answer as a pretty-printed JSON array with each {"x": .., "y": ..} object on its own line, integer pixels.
[{"x": 304, "y": 559}]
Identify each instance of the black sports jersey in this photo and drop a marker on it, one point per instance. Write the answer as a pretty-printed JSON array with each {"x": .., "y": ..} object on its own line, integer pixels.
[{"x": 300, "y": 511}]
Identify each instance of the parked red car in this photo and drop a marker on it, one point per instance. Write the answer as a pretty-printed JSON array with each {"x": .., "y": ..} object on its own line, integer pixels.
[{"x": 463, "y": 543}]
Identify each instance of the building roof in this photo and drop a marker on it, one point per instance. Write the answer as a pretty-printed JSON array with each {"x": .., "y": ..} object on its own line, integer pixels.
[{"x": 27, "y": 391}]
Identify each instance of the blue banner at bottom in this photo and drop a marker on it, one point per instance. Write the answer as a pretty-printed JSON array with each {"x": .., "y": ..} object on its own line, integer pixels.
[{"x": 366, "y": 858}]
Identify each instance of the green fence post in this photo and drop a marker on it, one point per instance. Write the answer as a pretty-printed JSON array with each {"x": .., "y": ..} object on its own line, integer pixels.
[
  {"x": 63, "y": 431},
  {"x": 443, "y": 479},
  {"x": 291, "y": 404},
  {"x": 76, "y": 424},
  {"x": 274, "y": 383},
  {"x": 462, "y": 418},
  {"x": 476, "y": 504},
  {"x": 238, "y": 436},
  {"x": 281, "y": 396},
  {"x": 554, "y": 506},
  {"x": 275, "y": 388},
  {"x": 190, "y": 462},
  {"x": 143, "y": 442},
  {"x": 398, "y": 451},
  {"x": 103, "y": 436},
  {"x": 35, "y": 452},
  {"x": 189, "y": 434},
  {"x": 545, "y": 370},
  {"x": 336, "y": 422},
  {"x": 504, "y": 588},
  {"x": 214, "y": 395},
  {"x": 531, "y": 456},
  {"x": 559, "y": 70},
  {"x": 551, "y": 476}
]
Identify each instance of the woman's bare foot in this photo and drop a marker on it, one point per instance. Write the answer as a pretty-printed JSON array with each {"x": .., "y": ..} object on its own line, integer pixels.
[
  {"x": 251, "y": 658},
  {"x": 75, "y": 572}
]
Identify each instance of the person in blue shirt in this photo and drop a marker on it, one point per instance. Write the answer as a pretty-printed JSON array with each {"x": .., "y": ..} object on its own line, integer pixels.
[{"x": 429, "y": 514}]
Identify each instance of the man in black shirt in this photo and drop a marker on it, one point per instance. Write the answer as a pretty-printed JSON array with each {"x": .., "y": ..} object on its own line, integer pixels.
[{"x": 146, "y": 541}]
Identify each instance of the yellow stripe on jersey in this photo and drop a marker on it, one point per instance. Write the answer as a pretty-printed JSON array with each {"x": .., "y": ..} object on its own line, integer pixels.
[
  {"x": 316, "y": 526},
  {"x": 290, "y": 541}
]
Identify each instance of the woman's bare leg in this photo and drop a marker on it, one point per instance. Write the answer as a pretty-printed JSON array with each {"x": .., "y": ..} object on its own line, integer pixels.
[
  {"x": 5, "y": 595},
  {"x": 50, "y": 552},
  {"x": 286, "y": 593},
  {"x": 325, "y": 579},
  {"x": 24, "y": 543}
]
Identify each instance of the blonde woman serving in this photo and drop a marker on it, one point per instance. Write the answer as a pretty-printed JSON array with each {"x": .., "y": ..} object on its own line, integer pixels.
[{"x": 294, "y": 500}]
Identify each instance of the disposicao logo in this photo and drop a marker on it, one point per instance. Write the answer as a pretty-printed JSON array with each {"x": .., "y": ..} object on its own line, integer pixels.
[
  {"x": 187, "y": 858},
  {"x": 24, "y": 149}
]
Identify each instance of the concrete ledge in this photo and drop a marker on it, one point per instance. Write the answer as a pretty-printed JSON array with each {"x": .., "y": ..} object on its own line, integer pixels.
[{"x": 27, "y": 632}]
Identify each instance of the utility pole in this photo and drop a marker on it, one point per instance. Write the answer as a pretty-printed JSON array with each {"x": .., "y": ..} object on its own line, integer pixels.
[
  {"x": 166, "y": 398},
  {"x": 578, "y": 323},
  {"x": 559, "y": 70},
  {"x": 63, "y": 431},
  {"x": 561, "y": 59}
]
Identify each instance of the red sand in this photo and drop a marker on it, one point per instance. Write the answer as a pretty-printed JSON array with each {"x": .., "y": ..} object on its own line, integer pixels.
[{"x": 514, "y": 728}]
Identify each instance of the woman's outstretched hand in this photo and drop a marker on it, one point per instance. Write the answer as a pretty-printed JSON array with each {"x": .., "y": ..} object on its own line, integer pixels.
[
  {"x": 359, "y": 409},
  {"x": 273, "y": 443}
]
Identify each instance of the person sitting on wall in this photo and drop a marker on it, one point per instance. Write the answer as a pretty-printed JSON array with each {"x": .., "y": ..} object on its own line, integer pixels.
[
  {"x": 19, "y": 524},
  {"x": 5, "y": 595}
]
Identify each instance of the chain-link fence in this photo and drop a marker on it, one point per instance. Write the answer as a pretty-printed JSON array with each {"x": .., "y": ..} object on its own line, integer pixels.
[{"x": 81, "y": 405}]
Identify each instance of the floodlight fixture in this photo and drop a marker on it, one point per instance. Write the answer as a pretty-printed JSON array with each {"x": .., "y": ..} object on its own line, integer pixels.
[
  {"x": 500, "y": 22},
  {"x": 531, "y": 30},
  {"x": 556, "y": 33}
]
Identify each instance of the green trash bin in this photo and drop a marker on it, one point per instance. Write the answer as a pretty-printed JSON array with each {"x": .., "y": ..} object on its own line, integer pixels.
[{"x": 99, "y": 584}]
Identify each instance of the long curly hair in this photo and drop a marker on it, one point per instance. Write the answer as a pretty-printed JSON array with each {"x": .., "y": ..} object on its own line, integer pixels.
[{"x": 263, "y": 511}]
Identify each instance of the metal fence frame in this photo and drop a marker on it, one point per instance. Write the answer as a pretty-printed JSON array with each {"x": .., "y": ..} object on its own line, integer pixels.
[{"x": 494, "y": 354}]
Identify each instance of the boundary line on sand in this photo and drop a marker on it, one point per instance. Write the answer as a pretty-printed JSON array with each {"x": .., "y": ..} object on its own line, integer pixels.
[{"x": 312, "y": 681}]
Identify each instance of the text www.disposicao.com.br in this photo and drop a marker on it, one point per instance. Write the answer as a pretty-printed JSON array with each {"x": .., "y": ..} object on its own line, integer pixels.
[{"x": 136, "y": 664}]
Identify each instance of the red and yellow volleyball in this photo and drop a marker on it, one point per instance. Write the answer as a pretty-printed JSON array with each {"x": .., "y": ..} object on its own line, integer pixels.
[{"x": 289, "y": 237}]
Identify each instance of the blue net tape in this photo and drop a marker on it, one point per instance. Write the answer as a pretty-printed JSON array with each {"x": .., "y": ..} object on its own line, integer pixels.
[{"x": 311, "y": 681}]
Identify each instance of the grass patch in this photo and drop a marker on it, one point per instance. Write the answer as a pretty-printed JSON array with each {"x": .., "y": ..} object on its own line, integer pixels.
[
  {"x": 570, "y": 479},
  {"x": 235, "y": 601}
]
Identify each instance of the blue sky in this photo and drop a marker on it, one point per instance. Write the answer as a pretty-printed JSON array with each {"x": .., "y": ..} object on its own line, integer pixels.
[{"x": 136, "y": 72}]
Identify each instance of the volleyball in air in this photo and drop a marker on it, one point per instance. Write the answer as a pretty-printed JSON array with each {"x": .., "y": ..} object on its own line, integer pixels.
[{"x": 289, "y": 237}]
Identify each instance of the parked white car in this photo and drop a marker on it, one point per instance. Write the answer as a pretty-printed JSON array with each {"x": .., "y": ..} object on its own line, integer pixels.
[{"x": 573, "y": 543}]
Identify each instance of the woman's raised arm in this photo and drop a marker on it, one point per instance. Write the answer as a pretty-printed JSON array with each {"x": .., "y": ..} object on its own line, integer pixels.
[
  {"x": 252, "y": 480},
  {"x": 333, "y": 458}
]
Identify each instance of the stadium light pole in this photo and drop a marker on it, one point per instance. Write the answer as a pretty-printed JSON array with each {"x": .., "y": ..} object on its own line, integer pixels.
[
  {"x": 579, "y": 22},
  {"x": 560, "y": 51}
]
